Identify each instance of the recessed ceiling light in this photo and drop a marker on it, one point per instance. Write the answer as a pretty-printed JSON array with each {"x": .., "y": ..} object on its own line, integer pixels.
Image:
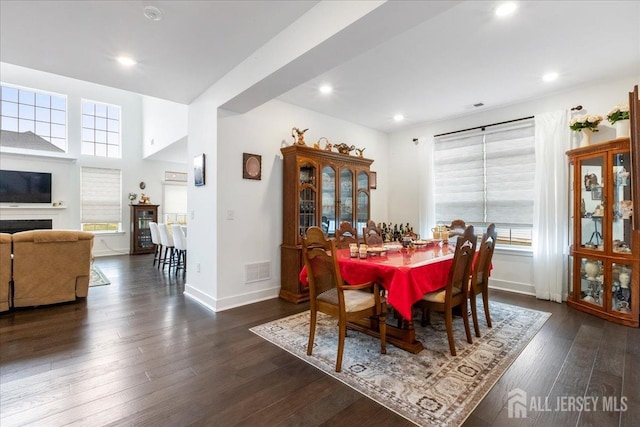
[
  {"x": 549, "y": 77},
  {"x": 152, "y": 13},
  {"x": 506, "y": 9},
  {"x": 126, "y": 61},
  {"x": 326, "y": 89},
  {"x": 398, "y": 117}
]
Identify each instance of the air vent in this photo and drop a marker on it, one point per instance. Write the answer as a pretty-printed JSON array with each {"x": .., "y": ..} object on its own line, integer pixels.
[{"x": 257, "y": 271}]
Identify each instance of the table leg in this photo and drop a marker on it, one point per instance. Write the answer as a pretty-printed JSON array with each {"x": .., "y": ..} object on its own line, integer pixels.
[{"x": 402, "y": 336}]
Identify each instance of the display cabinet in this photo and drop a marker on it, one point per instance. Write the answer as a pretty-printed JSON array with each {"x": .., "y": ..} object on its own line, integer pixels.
[
  {"x": 141, "y": 216},
  {"x": 604, "y": 258},
  {"x": 321, "y": 188}
]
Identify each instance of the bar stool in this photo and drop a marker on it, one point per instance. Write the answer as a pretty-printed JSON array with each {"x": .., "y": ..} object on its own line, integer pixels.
[
  {"x": 155, "y": 239},
  {"x": 180, "y": 243},
  {"x": 167, "y": 242}
]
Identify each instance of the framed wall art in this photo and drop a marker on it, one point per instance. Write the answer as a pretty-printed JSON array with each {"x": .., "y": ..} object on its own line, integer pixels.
[
  {"x": 596, "y": 193},
  {"x": 199, "y": 172},
  {"x": 251, "y": 166}
]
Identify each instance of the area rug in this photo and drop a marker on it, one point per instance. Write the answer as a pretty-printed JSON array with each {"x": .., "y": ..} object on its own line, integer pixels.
[
  {"x": 97, "y": 277},
  {"x": 431, "y": 388}
]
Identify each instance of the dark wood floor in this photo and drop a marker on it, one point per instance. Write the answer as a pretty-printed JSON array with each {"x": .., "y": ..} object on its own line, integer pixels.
[{"x": 138, "y": 352}]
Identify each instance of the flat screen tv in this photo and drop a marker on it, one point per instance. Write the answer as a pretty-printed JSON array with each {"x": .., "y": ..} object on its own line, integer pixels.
[{"x": 25, "y": 187}]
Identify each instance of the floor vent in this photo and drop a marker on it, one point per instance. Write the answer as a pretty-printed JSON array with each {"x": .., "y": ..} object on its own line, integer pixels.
[{"x": 257, "y": 271}]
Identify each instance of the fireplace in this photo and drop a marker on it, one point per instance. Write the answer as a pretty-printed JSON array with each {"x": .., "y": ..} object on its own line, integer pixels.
[{"x": 16, "y": 225}]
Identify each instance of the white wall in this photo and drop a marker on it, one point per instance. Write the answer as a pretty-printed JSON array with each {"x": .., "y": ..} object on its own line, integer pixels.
[
  {"x": 66, "y": 172},
  {"x": 255, "y": 233},
  {"x": 163, "y": 123},
  {"x": 513, "y": 270}
]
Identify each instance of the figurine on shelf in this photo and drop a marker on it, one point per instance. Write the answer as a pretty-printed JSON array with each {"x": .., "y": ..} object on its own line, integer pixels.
[
  {"x": 327, "y": 146},
  {"x": 300, "y": 135},
  {"x": 360, "y": 151},
  {"x": 626, "y": 209},
  {"x": 623, "y": 176},
  {"x": 344, "y": 148},
  {"x": 590, "y": 181},
  {"x": 599, "y": 211},
  {"x": 144, "y": 200}
]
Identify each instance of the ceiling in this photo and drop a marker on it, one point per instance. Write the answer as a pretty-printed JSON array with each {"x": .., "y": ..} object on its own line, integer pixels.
[{"x": 435, "y": 67}]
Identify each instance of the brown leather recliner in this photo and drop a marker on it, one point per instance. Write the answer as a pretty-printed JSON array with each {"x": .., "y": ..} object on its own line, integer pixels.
[
  {"x": 50, "y": 266},
  {"x": 5, "y": 271}
]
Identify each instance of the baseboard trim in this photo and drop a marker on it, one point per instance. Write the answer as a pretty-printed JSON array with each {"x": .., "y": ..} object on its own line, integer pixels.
[
  {"x": 519, "y": 288},
  {"x": 234, "y": 301}
]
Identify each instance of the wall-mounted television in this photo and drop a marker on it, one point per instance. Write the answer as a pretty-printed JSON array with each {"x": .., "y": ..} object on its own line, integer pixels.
[{"x": 25, "y": 187}]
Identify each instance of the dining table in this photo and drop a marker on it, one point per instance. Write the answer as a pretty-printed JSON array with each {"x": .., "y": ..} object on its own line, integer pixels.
[{"x": 406, "y": 275}]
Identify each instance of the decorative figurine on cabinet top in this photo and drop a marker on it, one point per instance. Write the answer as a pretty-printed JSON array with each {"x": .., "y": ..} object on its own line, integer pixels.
[
  {"x": 360, "y": 151},
  {"x": 300, "y": 135},
  {"x": 144, "y": 200},
  {"x": 344, "y": 148}
]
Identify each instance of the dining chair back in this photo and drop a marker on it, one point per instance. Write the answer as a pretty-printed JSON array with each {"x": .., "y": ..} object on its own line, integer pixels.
[
  {"x": 180, "y": 243},
  {"x": 328, "y": 294},
  {"x": 480, "y": 276},
  {"x": 372, "y": 234},
  {"x": 155, "y": 239},
  {"x": 345, "y": 235},
  {"x": 169, "y": 249},
  {"x": 457, "y": 289}
]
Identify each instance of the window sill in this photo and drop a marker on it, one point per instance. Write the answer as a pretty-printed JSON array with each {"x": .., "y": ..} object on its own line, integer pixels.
[
  {"x": 10, "y": 151},
  {"x": 108, "y": 233},
  {"x": 514, "y": 250}
]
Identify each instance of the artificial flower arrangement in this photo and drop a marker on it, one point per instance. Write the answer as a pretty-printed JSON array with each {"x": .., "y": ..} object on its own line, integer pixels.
[
  {"x": 619, "y": 112},
  {"x": 132, "y": 196},
  {"x": 590, "y": 122}
]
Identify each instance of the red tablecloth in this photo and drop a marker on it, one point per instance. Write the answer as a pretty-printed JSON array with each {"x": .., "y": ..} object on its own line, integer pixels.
[{"x": 406, "y": 280}]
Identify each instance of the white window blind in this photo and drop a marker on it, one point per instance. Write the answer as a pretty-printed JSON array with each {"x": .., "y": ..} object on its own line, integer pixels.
[
  {"x": 101, "y": 195},
  {"x": 487, "y": 177}
]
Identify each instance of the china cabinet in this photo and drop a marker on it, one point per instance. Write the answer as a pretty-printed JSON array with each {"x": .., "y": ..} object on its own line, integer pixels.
[
  {"x": 604, "y": 259},
  {"x": 141, "y": 216},
  {"x": 321, "y": 188}
]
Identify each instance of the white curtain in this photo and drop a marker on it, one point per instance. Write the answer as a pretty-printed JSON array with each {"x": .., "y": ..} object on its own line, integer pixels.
[{"x": 550, "y": 208}]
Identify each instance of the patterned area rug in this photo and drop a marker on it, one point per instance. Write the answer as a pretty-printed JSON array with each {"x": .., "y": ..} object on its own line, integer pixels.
[
  {"x": 97, "y": 277},
  {"x": 430, "y": 388}
]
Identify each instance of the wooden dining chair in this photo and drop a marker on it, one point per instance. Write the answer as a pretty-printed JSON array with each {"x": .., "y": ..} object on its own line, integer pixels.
[
  {"x": 480, "y": 276},
  {"x": 457, "y": 289},
  {"x": 328, "y": 294},
  {"x": 345, "y": 235},
  {"x": 372, "y": 234}
]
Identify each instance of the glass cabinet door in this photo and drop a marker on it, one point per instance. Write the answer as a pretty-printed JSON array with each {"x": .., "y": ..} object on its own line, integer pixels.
[
  {"x": 362, "y": 214},
  {"x": 307, "y": 198},
  {"x": 346, "y": 195},
  {"x": 329, "y": 201},
  {"x": 621, "y": 297},
  {"x": 592, "y": 279},
  {"x": 622, "y": 203},
  {"x": 592, "y": 204}
]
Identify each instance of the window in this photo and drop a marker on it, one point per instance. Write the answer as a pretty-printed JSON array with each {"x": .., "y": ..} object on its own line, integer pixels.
[
  {"x": 100, "y": 130},
  {"x": 33, "y": 120},
  {"x": 487, "y": 177},
  {"x": 101, "y": 196}
]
